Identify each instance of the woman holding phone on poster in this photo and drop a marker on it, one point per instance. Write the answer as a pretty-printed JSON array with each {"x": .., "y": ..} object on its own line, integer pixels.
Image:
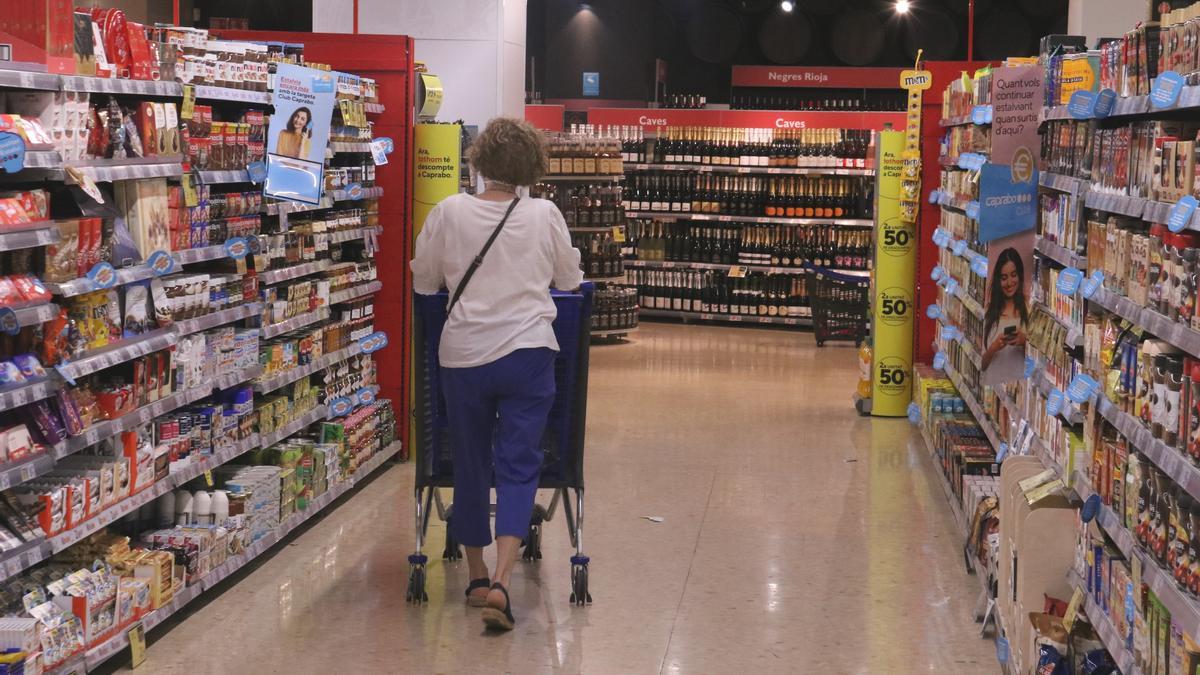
[
  {"x": 295, "y": 140},
  {"x": 1005, "y": 320}
]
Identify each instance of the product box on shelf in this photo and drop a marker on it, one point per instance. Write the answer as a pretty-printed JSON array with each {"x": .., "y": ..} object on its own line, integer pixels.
[{"x": 40, "y": 32}]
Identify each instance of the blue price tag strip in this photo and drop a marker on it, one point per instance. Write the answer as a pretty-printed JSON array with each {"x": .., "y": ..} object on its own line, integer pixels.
[
  {"x": 1054, "y": 402},
  {"x": 365, "y": 396},
  {"x": 1167, "y": 87},
  {"x": 1069, "y": 280},
  {"x": 257, "y": 171},
  {"x": 1105, "y": 101},
  {"x": 934, "y": 196},
  {"x": 1093, "y": 284},
  {"x": 933, "y": 311},
  {"x": 1030, "y": 364},
  {"x": 973, "y": 210}
]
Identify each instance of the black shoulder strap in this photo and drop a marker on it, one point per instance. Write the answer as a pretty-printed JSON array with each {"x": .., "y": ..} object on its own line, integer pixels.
[{"x": 479, "y": 258}]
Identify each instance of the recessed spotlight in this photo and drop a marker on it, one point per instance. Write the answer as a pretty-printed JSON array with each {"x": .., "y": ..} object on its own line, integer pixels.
[
  {"x": 902, "y": 6},
  {"x": 787, "y": 5}
]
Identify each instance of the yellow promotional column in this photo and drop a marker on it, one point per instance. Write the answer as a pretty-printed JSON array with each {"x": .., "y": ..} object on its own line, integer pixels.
[
  {"x": 893, "y": 300},
  {"x": 437, "y": 159}
]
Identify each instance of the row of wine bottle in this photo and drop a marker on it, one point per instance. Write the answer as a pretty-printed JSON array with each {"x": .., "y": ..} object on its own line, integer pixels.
[
  {"x": 614, "y": 307},
  {"x": 750, "y": 196},
  {"x": 777, "y": 246},
  {"x": 585, "y": 205},
  {"x": 781, "y": 295},
  {"x": 722, "y": 146},
  {"x": 599, "y": 254},
  {"x": 771, "y": 99}
]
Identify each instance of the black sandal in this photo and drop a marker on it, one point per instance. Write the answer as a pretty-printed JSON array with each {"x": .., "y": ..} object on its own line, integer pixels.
[
  {"x": 476, "y": 601},
  {"x": 497, "y": 619}
]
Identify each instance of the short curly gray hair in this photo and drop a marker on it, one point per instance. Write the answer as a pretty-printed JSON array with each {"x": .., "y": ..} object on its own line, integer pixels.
[{"x": 511, "y": 151}]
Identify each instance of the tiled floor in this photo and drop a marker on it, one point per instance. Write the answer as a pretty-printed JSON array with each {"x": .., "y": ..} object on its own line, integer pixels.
[{"x": 796, "y": 537}]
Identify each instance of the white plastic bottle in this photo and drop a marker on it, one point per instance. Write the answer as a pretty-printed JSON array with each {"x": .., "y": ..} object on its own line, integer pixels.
[
  {"x": 202, "y": 508},
  {"x": 220, "y": 506},
  {"x": 183, "y": 508}
]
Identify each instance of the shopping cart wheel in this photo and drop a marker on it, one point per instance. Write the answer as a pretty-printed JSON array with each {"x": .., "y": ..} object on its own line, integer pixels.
[
  {"x": 579, "y": 581},
  {"x": 452, "y": 550},
  {"x": 416, "y": 580},
  {"x": 533, "y": 540}
]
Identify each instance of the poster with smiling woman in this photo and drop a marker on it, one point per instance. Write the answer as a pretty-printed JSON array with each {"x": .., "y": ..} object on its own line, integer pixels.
[
  {"x": 1007, "y": 308},
  {"x": 299, "y": 133}
]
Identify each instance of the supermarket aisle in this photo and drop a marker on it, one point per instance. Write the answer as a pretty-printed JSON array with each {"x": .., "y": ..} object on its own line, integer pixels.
[{"x": 796, "y": 538}]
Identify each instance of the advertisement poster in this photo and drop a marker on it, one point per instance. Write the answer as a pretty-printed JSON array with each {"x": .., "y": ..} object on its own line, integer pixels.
[
  {"x": 1007, "y": 308},
  {"x": 894, "y": 291},
  {"x": 436, "y": 168},
  {"x": 1008, "y": 187},
  {"x": 299, "y": 134}
]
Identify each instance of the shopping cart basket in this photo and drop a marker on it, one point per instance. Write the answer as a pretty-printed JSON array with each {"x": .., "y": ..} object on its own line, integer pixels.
[
  {"x": 562, "y": 442},
  {"x": 841, "y": 307}
]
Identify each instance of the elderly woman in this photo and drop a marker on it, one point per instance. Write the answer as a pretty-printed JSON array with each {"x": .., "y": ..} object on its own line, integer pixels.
[{"x": 497, "y": 350}]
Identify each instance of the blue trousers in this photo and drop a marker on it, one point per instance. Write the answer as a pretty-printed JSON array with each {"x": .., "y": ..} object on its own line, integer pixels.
[{"x": 497, "y": 414}]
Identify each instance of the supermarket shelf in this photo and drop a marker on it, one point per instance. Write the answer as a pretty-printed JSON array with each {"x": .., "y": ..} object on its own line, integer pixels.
[
  {"x": 971, "y": 304},
  {"x": 954, "y": 204},
  {"x": 112, "y": 514},
  {"x": 1180, "y": 335},
  {"x": 966, "y": 347},
  {"x": 215, "y": 177},
  {"x": 1119, "y": 204},
  {"x": 36, "y": 315},
  {"x": 275, "y": 208},
  {"x": 195, "y": 255},
  {"x": 566, "y": 178},
  {"x": 1169, "y": 460},
  {"x": 729, "y": 318},
  {"x": 23, "y": 557},
  {"x": 1129, "y": 105},
  {"x": 16, "y": 395},
  {"x": 374, "y": 108},
  {"x": 101, "y": 653},
  {"x": 270, "y": 277},
  {"x": 598, "y": 228},
  {"x": 317, "y": 414},
  {"x": 269, "y": 384},
  {"x": 355, "y": 292},
  {"x": 959, "y": 121},
  {"x": 31, "y": 235},
  {"x": 1061, "y": 255},
  {"x": 367, "y": 193},
  {"x": 806, "y": 269},
  {"x": 23, "y": 79},
  {"x": 1074, "y": 333},
  {"x": 320, "y": 314},
  {"x": 43, "y": 159},
  {"x": 606, "y": 280},
  {"x": 770, "y": 170},
  {"x": 352, "y": 235},
  {"x": 1108, "y": 634},
  {"x": 614, "y": 332},
  {"x": 236, "y": 377},
  {"x": 198, "y": 465},
  {"x": 106, "y": 170},
  {"x": 127, "y": 350},
  {"x": 960, "y": 519},
  {"x": 207, "y": 93},
  {"x": 1062, "y": 182},
  {"x": 189, "y": 326},
  {"x": 985, "y": 423},
  {"x": 1183, "y": 608},
  {"x": 107, "y": 85},
  {"x": 332, "y": 415},
  {"x": 765, "y": 220},
  {"x": 15, "y": 473},
  {"x": 349, "y": 146}
]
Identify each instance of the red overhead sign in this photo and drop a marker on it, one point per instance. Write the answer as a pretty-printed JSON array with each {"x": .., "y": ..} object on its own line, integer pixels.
[
  {"x": 830, "y": 77},
  {"x": 545, "y": 117},
  {"x": 650, "y": 118}
]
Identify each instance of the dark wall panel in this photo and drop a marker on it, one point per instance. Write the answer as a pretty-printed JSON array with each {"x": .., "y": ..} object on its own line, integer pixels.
[{"x": 611, "y": 37}]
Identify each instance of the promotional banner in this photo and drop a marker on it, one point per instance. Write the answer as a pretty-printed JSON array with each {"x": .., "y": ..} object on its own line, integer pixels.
[
  {"x": 299, "y": 133},
  {"x": 915, "y": 82},
  {"x": 1007, "y": 308},
  {"x": 894, "y": 291},
  {"x": 1008, "y": 184},
  {"x": 826, "y": 77},
  {"x": 436, "y": 168}
]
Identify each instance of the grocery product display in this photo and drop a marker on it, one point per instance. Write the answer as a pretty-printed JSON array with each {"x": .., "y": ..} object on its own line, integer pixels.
[{"x": 186, "y": 372}]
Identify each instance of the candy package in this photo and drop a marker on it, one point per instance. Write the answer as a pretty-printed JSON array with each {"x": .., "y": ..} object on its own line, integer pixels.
[
  {"x": 61, "y": 257},
  {"x": 138, "y": 319},
  {"x": 29, "y": 365}
]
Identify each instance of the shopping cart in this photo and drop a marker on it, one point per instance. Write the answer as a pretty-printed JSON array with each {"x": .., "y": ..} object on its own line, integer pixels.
[
  {"x": 841, "y": 307},
  {"x": 562, "y": 442}
]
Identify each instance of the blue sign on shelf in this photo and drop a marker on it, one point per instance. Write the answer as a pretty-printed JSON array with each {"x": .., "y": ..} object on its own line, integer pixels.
[
  {"x": 373, "y": 342},
  {"x": 933, "y": 311},
  {"x": 355, "y": 190},
  {"x": 981, "y": 114},
  {"x": 340, "y": 406},
  {"x": 161, "y": 263},
  {"x": 1030, "y": 364},
  {"x": 365, "y": 396},
  {"x": 939, "y": 361},
  {"x": 1105, "y": 101},
  {"x": 1081, "y": 105},
  {"x": 951, "y": 286},
  {"x": 1069, "y": 280},
  {"x": 959, "y": 247},
  {"x": 257, "y": 171},
  {"x": 980, "y": 266},
  {"x": 1054, "y": 402},
  {"x": 9, "y": 322},
  {"x": 102, "y": 275},
  {"x": 1093, "y": 284},
  {"x": 1181, "y": 214},
  {"x": 934, "y": 196},
  {"x": 914, "y": 413},
  {"x": 1001, "y": 452},
  {"x": 936, "y": 273},
  {"x": 12, "y": 152},
  {"x": 1167, "y": 88},
  {"x": 973, "y": 210},
  {"x": 1082, "y": 388},
  {"x": 237, "y": 248}
]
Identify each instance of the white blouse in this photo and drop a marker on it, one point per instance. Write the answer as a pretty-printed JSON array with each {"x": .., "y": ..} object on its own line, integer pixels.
[{"x": 507, "y": 304}]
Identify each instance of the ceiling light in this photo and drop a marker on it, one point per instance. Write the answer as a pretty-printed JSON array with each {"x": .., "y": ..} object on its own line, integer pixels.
[
  {"x": 787, "y": 5},
  {"x": 902, "y": 6}
]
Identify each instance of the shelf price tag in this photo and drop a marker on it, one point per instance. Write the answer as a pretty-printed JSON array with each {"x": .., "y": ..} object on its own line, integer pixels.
[
  {"x": 1073, "y": 607},
  {"x": 935, "y": 196},
  {"x": 137, "y": 644},
  {"x": 937, "y": 273},
  {"x": 379, "y": 151},
  {"x": 973, "y": 209},
  {"x": 1167, "y": 87},
  {"x": 618, "y": 234},
  {"x": 365, "y": 396},
  {"x": 951, "y": 286},
  {"x": 981, "y": 114},
  {"x": 933, "y": 311},
  {"x": 257, "y": 171},
  {"x": 340, "y": 406},
  {"x": 939, "y": 361},
  {"x": 1104, "y": 103},
  {"x": 1181, "y": 214},
  {"x": 190, "y": 196},
  {"x": 1069, "y": 280},
  {"x": 373, "y": 342},
  {"x": 737, "y": 271},
  {"x": 102, "y": 275},
  {"x": 959, "y": 248},
  {"x": 1093, "y": 284},
  {"x": 208, "y": 477},
  {"x": 1054, "y": 402},
  {"x": 188, "y": 108},
  {"x": 1001, "y": 453},
  {"x": 980, "y": 266},
  {"x": 236, "y": 248},
  {"x": 1081, "y": 105},
  {"x": 914, "y": 413},
  {"x": 1082, "y": 388}
]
